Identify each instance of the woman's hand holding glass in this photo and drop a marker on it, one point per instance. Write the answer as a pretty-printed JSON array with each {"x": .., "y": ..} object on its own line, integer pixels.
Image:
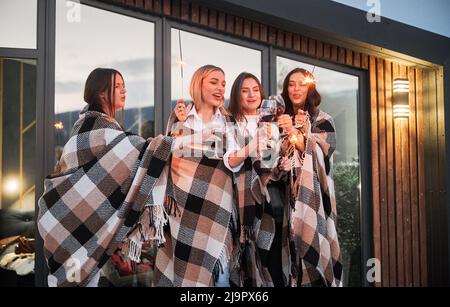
[{"x": 285, "y": 164}]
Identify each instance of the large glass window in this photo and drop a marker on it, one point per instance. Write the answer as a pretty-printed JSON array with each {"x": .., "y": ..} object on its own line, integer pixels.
[
  {"x": 18, "y": 133},
  {"x": 103, "y": 39},
  {"x": 18, "y": 23},
  {"x": 100, "y": 38},
  {"x": 339, "y": 93},
  {"x": 191, "y": 51}
]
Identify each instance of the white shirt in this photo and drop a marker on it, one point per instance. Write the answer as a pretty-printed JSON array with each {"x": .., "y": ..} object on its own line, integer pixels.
[
  {"x": 194, "y": 122},
  {"x": 250, "y": 125}
]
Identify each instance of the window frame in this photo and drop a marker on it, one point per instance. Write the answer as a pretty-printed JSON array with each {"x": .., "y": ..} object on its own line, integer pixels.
[{"x": 213, "y": 34}]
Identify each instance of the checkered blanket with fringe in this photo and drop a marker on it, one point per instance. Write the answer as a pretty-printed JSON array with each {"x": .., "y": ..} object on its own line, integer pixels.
[
  {"x": 201, "y": 207},
  {"x": 313, "y": 225},
  {"x": 101, "y": 191}
]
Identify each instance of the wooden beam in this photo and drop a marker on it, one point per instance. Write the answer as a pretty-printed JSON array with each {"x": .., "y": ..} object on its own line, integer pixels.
[
  {"x": 195, "y": 12},
  {"x": 184, "y": 10},
  {"x": 212, "y": 22},
  {"x": 390, "y": 173},
  {"x": 382, "y": 174},
  {"x": 414, "y": 178},
  {"x": 204, "y": 16},
  {"x": 421, "y": 180},
  {"x": 375, "y": 160}
]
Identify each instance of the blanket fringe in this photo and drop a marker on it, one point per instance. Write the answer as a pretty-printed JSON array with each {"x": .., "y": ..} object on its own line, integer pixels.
[
  {"x": 150, "y": 228},
  {"x": 172, "y": 207},
  {"x": 221, "y": 262}
]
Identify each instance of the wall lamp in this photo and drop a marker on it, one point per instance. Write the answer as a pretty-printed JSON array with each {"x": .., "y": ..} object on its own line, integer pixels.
[{"x": 401, "y": 98}]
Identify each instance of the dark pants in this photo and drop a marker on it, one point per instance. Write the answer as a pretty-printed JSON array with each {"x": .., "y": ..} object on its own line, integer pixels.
[{"x": 276, "y": 206}]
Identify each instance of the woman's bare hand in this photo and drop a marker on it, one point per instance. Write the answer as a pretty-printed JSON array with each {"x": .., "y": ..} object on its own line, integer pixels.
[
  {"x": 285, "y": 164},
  {"x": 180, "y": 110},
  {"x": 285, "y": 122}
]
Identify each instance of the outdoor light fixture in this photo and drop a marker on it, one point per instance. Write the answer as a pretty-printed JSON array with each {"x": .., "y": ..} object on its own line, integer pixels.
[
  {"x": 59, "y": 125},
  {"x": 12, "y": 186},
  {"x": 401, "y": 98}
]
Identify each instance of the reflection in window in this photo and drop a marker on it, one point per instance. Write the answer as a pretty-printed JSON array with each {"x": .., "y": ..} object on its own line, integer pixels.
[
  {"x": 103, "y": 39},
  {"x": 339, "y": 93},
  {"x": 18, "y": 23},
  {"x": 191, "y": 51},
  {"x": 18, "y": 133},
  {"x": 106, "y": 39}
]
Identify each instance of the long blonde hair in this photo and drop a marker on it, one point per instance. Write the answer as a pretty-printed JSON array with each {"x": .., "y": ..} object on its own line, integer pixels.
[{"x": 195, "y": 88}]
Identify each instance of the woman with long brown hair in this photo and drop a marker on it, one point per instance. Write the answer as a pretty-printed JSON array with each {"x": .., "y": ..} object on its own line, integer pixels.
[
  {"x": 316, "y": 252},
  {"x": 262, "y": 257},
  {"x": 102, "y": 190}
]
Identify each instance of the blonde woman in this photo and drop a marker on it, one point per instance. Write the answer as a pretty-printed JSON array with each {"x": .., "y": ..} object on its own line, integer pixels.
[{"x": 199, "y": 190}]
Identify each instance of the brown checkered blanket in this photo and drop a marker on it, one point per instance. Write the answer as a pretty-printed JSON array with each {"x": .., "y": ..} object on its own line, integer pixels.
[
  {"x": 102, "y": 190},
  {"x": 201, "y": 206},
  {"x": 317, "y": 258},
  {"x": 257, "y": 226}
]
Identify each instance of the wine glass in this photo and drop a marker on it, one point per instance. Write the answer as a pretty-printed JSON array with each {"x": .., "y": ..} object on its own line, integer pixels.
[
  {"x": 281, "y": 106},
  {"x": 268, "y": 111}
]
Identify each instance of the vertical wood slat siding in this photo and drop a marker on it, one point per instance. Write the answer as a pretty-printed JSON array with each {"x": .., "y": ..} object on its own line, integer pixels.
[
  {"x": 184, "y": 10},
  {"x": 405, "y": 177},
  {"x": 212, "y": 19},
  {"x": 399, "y": 147},
  {"x": 432, "y": 173},
  {"x": 436, "y": 207},
  {"x": 166, "y": 6},
  {"x": 176, "y": 8},
  {"x": 398, "y": 168},
  {"x": 390, "y": 172},
  {"x": 414, "y": 178},
  {"x": 375, "y": 160},
  {"x": 382, "y": 172},
  {"x": 443, "y": 222},
  {"x": 421, "y": 179}
]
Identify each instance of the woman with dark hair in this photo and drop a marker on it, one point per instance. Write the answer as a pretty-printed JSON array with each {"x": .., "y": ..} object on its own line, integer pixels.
[
  {"x": 260, "y": 186},
  {"x": 97, "y": 197},
  {"x": 316, "y": 252}
]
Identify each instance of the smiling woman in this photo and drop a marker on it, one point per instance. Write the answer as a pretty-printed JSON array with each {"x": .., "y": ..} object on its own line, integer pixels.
[
  {"x": 189, "y": 53},
  {"x": 339, "y": 98},
  {"x": 100, "y": 38}
]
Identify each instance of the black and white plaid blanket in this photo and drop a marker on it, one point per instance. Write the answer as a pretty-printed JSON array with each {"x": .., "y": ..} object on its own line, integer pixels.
[{"x": 103, "y": 189}]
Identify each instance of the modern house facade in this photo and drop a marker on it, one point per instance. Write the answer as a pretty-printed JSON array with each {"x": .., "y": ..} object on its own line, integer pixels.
[{"x": 386, "y": 84}]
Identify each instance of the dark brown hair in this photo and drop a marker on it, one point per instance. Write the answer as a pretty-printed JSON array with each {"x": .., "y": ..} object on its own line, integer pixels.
[
  {"x": 313, "y": 97},
  {"x": 101, "y": 80},
  {"x": 235, "y": 106}
]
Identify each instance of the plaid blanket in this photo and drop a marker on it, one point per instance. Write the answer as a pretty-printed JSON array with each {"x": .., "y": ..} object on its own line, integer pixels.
[
  {"x": 256, "y": 225},
  {"x": 101, "y": 191},
  {"x": 313, "y": 223},
  {"x": 200, "y": 206},
  {"x": 260, "y": 184}
]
